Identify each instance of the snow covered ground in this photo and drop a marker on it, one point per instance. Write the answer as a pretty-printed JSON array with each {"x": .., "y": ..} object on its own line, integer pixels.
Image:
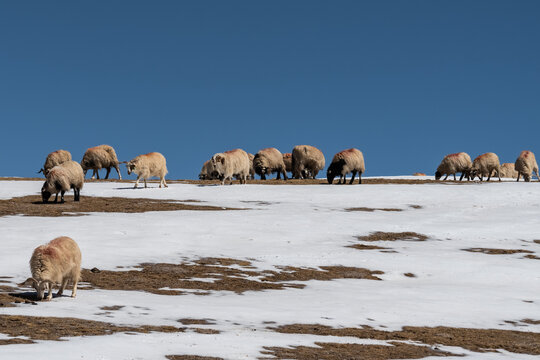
[{"x": 292, "y": 225}]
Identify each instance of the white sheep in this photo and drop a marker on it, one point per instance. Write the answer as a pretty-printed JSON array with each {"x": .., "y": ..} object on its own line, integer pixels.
[
  {"x": 61, "y": 178},
  {"x": 526, "y": 164},
  {"x": 100, "y": 157},
  {"x": 57, "y": 262},
  {"x": 231, "y": 163},
  {"x": 508, "y": 170},
  {"x": 268, "y": 161},
  {"x": 454, "y": 163},
  {"x": 307, "y": 161},
  {"x": 486, "y": 165},
  {"x": 55, "y": 158},
  {"x": 147, "y": 166}
]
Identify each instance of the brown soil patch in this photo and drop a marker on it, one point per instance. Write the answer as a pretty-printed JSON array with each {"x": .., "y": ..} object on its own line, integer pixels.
[
  {"x": 537, "y": 241},
  {"x": 55, "y": 328},
  {"x": 411, "y": 275},
  {"x": 206, "y": 331},
  {"x": 479, "y": 340},
  {"x": 534, "y": 257},
  {"x": 366, "y": 209},
  {"x": 336, "y": 351},
  {"x": 497, "y": 251},
  {"x": 8, "y": 298},
  {"x": 531, "y": 322},
  {"x": 392, "y": 236},
  {"x": 366, "y": 247},
  {"x": 191, "y": 357},
  {"x": 242, "y": 277},
  {"x": 112, "y": 308},
  {"x": 32, "y": 205},
  {"x": 416, "y": 206}
]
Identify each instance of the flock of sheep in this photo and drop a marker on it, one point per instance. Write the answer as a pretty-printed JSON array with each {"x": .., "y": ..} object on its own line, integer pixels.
[
  {"x": 304, "y": 162},
  {"x": 59, "y": 261},
  {"x": 487, "y": 165}
]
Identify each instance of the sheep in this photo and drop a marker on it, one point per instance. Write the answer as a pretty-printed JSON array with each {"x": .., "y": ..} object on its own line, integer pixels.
[
  {"x": 207, "y": 171},
  {"x": 307, "y": 161},
  {"x": 231, "y": 163},
  {"x": 100, "y": 157},
  {"x": 57, "y": 262},
  {"x": 525, "y": 165},
  {"x": 344, "y": 162},
  {"x": 454, "y": 163},
  {"x": 508, "y": 170},
  {"x": 287, "y": 160},
  {"x": 61, "y": 178},
  {"x": 485, "y": 165},
  {"x": 267, "y": 161},
  {"x": 55, "y": 158},
  {"x": 147, "y": 166},
  {"x": 251, "y": 169}
]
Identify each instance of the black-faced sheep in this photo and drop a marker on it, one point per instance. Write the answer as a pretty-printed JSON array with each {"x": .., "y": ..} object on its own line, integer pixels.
[
  {"x": 57, "y": 262},
  {"x": 61, "y": 178},
  {"x": 207, "y": 171},
  {"x": 100, "y": 157},
  {"x": 525, "y": 165},
  {"x": 55, "y": 158},
  {"x": 455, "y": 163},
  {"x": 486, "y": 165},
  {"x": 231, "y": 163},
  {"x": 268, "y": 161},
  {"x": 307, "y": 161},
  {"x": 344, "y": 162},
  {"x": 147, "y": 166}
]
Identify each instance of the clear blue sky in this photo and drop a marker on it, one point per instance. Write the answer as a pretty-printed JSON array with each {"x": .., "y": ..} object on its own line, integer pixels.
[{"x": 406, "y": 82}]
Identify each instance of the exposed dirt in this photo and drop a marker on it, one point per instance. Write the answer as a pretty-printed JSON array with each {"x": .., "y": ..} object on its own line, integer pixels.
[
  {"x": 411, "y": 275},
  {"x": 32, "y": 205},
  {"x": 537, "y": 241},
  {"x": 366, "y": 209},
  {"x": 490, "y": 251},
  {"x": 216, "y": 274},
  {"x": 337, "y": 351},
  {"x": 191, "y": 357},
  {"x": 55, "y": 328},
  {"x": 530, "y": 256},
  {"x": 479, "y": 340},
  {"x": 366, "y": 247},
  {"x": 392, "y": 236}
]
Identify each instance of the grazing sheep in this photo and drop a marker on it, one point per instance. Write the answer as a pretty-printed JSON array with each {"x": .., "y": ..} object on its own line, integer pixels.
[
  {"x": 251, "y": 169},
  {"x": 508, "y": 170},
  {"x": 455, "y": 163},
  {"x": 344, "y": 162},
  {"x": 207, "y": 171},
  {"x": 267, "y": 161},
  {"x": 55, "y": 158},
  {"x": 57, "y": 262},
  {"x": 307, "y": 161},
  {"x": 147, "y": 166},
  {"x": 231, "y": 163},
  {"x": 287, "y": 160},
  {"x": 485, "y": 165},
  {"x": 525, "y": 165},
  {"x": 100, "y": 157},
  {"x": 61, "y": 178}
]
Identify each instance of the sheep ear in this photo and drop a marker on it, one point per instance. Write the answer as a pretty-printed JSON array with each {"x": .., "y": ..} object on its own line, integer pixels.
[
  {"x": 29, "y": 282},
  {"x": 223, "y": 160}
]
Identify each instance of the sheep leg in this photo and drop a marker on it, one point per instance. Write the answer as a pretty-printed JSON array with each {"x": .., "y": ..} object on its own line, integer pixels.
[
  {"x": 284, "y": 171},
  {"x": 77, "y": 194},
  {"x": 108, "y": 172},
  {"x": 263, "y": 176},
  {"x": 137, "y": 182},
  {"x": 454, "y": 176},
  {"x": 353, "y": 176},
  {"x": 50, "y": 288},
  {"x": 499, "y": 174},
  {"x": 519, "y": 174},
  {"x": 62, "y": 286},
  {"x": 445, "y": 177},
  {"x": 359, "y": 177},
  {"x": 62, "y": 197},
  {"x": 56, "y": 198},
  {"x": 489, "y": 175},
  {"x": 164, "y": 182},
  {"x": 145, "y": 183},
  {"x": 118, "y": 171}
]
